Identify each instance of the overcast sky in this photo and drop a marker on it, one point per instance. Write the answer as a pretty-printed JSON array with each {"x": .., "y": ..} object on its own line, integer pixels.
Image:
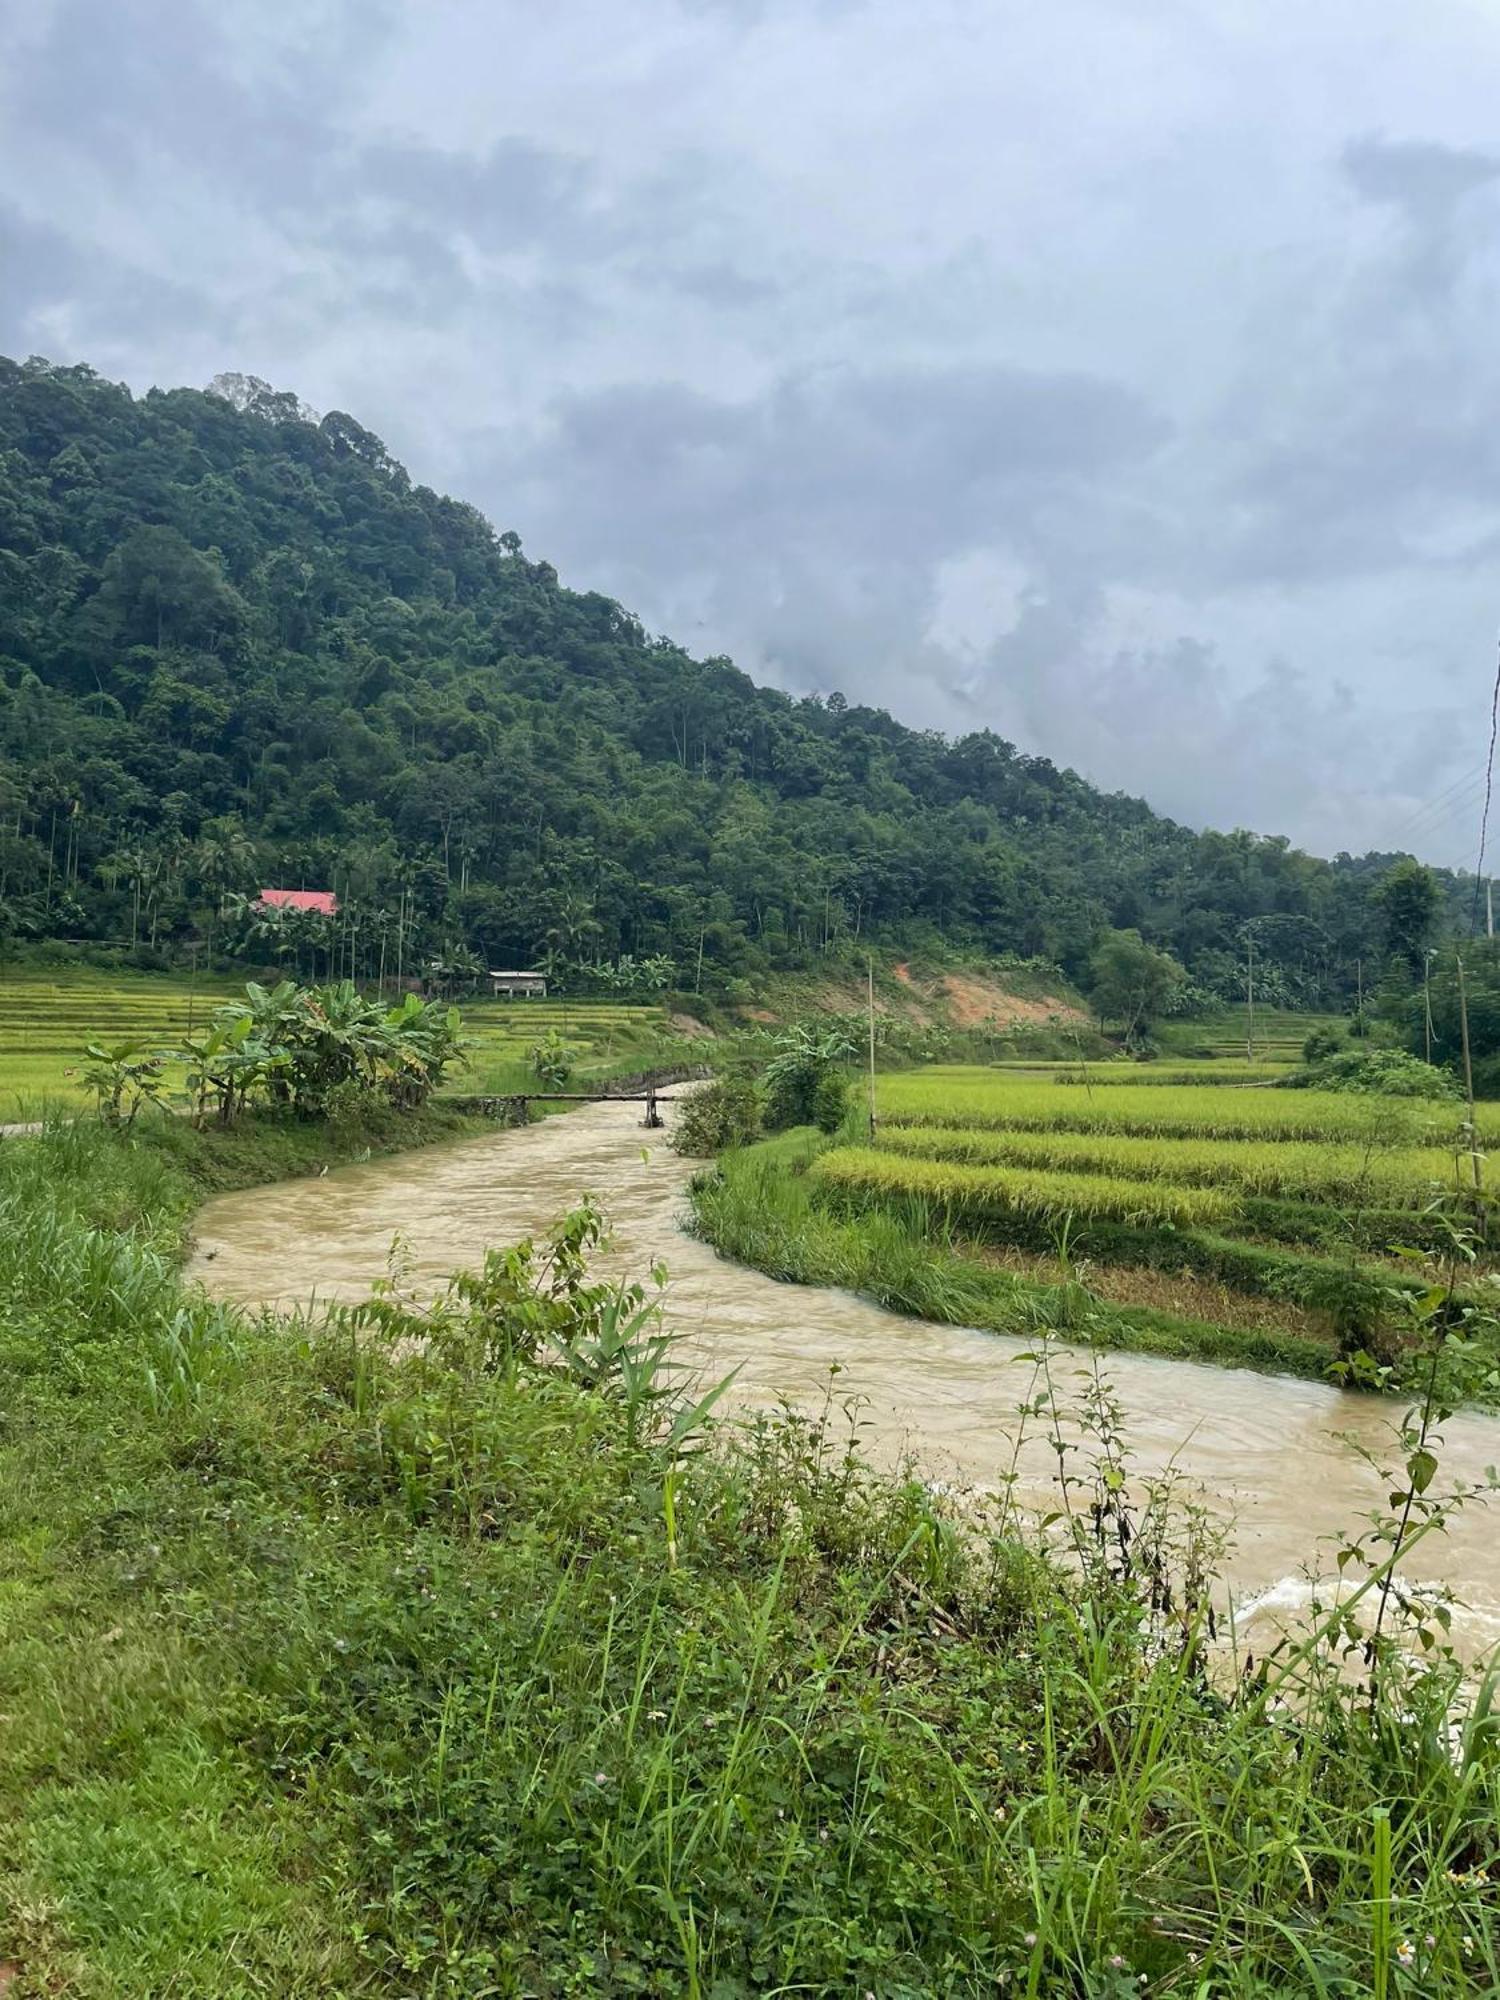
[{"x": 1123, "y": 375}]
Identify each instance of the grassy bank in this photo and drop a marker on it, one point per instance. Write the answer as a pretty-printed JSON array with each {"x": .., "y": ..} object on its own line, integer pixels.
[
  {"x": 428, "y": 1656},
  {"x": 762, "y": 1207}
]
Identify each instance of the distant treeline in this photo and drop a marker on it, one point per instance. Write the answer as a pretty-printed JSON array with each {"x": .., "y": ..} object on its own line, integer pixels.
[{"x": 240, "y": 647}]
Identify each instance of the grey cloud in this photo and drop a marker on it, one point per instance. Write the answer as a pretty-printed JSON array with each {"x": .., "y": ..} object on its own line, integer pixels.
[
  {"x": 48, "y": 281},
  {"x": 1127, "y": 420},
  {"x": 1425, "y": 180}
]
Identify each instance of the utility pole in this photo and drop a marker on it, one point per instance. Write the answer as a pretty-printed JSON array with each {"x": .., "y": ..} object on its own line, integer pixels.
[
  {"x": 1489, "y": 908},
  {"x": 1463, "y": 1028},
  {"x": 870, "y": 995},
  {"x": 1427, "y": 1001},
  {"x": 1250, "y": 996}
]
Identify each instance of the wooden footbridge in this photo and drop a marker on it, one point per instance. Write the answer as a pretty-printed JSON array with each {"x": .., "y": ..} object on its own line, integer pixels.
[{"x": 514, "y": 1108}]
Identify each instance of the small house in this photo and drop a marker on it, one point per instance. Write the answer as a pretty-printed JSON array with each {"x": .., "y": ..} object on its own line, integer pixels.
[
  {"x": 321, "y": 901},
  {"x": 518, "y": 985}
]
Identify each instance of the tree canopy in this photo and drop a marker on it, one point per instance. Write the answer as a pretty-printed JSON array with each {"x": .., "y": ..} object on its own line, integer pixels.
[{"x": 239, "y": 646}]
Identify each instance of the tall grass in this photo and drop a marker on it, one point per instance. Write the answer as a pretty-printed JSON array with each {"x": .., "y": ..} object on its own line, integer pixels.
[{"x": 391, "y": 1660}]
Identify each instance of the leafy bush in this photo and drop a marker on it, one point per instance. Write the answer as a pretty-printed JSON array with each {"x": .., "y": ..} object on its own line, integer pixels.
[
  {"x": 1323, "y": 1043},
  {"x": 722, "y": 1114},
  {"x": 552, "y": 1059},
  {"x": 308, "y": 1047},
  {"x": 804, "y": 1056},
  {"x": 830, "y": 1101},
  {"x": 1376, "y": 1073}
]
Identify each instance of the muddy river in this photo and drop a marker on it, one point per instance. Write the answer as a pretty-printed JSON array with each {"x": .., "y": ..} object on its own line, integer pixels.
[{"x": 1278, "y": 1459}]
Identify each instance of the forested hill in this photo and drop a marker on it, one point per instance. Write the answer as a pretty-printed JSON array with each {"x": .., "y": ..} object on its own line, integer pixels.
[{"x": 228, "y": 630}]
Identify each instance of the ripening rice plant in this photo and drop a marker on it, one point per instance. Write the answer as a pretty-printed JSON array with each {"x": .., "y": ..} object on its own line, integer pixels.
[
  {"x": 980, "y": 1190},
  {"x": 1296, "y": 1170},
  {"x": 981, "y": 1098}
]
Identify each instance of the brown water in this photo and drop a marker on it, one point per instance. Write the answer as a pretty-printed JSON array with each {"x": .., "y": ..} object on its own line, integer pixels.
[{"x": 1278, "y": 1458}]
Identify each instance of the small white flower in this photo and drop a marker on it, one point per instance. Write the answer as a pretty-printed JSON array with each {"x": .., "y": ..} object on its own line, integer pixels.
[{"x": 1406, "y": 1952}]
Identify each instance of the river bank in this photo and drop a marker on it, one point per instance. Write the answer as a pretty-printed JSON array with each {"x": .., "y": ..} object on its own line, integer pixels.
[
  {"x": 386, "y": 1656},
  {"x": 1282, "y": 1466}
]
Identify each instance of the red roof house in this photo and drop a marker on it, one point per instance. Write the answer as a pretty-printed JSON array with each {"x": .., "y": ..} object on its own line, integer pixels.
[{"x": 322, "y": 900}]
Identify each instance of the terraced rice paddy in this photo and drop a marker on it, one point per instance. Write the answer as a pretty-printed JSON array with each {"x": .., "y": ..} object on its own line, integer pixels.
[
  {"x": 1292, "y": 1169},
  {"x": 980, "y": 1098},
  {"x": 47, "y": 1021},
  {"x": 1296, "y": 1200}
]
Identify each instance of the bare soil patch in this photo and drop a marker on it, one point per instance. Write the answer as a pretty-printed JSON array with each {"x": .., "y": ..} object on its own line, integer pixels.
[
  {"x": 974, "y": 1001},
  {"x": 690, "y": 1029}
]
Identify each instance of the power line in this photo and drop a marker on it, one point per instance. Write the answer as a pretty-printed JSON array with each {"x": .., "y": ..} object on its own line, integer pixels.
[
  {"x": 1435, "y": 822},
  {"x": 1442, "y": 801},
  {"x": 1484, "y": 819}
]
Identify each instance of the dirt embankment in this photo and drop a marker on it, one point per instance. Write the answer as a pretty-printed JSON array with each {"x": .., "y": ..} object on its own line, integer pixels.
[
  {"x": 981, "y": 1000},
  {"x": 972, "y": 998}
]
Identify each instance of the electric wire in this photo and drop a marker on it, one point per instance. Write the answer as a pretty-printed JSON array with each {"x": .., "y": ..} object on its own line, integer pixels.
[{"x": 1484, "y": 818}]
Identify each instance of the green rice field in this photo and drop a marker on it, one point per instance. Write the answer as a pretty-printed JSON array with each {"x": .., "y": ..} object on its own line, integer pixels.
[
  {"x": 957, "y": 1096},
  {"x": 1249, "y": 1208},
  {"x": 47, "y": 1021}
]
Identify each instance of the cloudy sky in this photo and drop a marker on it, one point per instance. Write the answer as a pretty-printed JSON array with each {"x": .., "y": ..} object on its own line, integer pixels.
[{"x": 1122, "y": 375}]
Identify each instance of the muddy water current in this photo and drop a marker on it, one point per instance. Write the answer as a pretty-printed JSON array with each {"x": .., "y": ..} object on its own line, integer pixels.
[{"x": 1277, "y": 1459}]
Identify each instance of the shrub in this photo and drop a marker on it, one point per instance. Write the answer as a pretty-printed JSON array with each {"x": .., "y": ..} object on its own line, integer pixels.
[
  {"x": 722, "y": 1114},
  {"x": 551, "y": 1059},
  {"x": 804, "y": 1056},
  {"x": 830, "y": 1101},
  {"x": 1376, "y": 1073},
  {"x": 1323, "y": 1043}
]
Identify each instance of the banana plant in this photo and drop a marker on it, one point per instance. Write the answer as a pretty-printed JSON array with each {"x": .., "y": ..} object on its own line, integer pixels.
[{"x": 124, "y": 1079}]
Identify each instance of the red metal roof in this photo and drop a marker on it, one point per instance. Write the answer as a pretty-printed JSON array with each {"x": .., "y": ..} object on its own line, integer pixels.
[{"x": 322, "y": 900}]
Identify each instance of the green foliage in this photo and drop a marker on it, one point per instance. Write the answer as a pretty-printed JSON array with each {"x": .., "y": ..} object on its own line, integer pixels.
[
  {"x": 974, "y": 1192},
  {"x": 1299, "y": 1169},
  {"x": 552, "y": 1059},
  {"x": 1131, "y": 983},
  {"x": 305, "y": 1047},
  {"x": 805, "y": 1057},
  {"x": 1322, "y": 1043},
  {"x": 830, "y": 1101},
  {"x": 445, "y": 1649},
  {"x": 715, "y": 1117},
  {"x": 240, "y": 647},
  {"x": 124, "y": 1080},
  {"x": 1409, "y": 900},
  {"x": 1376, "y": 1073},
  {"x": 1481, "y": 962}
]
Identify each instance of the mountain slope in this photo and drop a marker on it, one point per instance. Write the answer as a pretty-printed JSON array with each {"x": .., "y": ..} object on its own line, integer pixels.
[{"x": 222, "y": 623}]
